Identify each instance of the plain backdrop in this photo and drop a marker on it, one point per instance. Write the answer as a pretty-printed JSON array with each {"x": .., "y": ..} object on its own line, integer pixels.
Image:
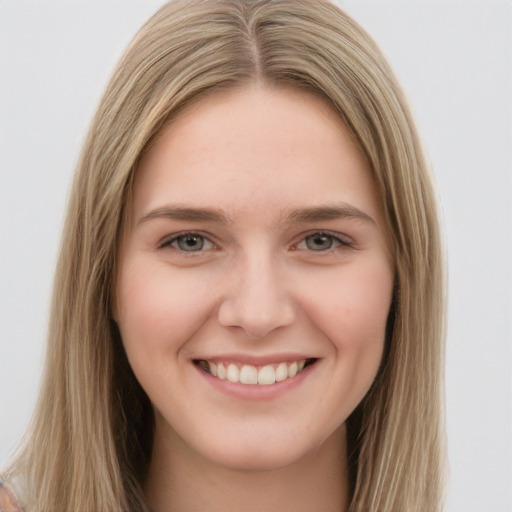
[{"x": 454, "y": 59}]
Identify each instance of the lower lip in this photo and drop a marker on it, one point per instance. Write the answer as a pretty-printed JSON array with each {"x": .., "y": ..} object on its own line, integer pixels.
[{"x": 257, "y": 392}]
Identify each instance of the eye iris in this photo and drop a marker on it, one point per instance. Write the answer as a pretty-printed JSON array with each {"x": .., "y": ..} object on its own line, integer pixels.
[
  {"x": 319, "y": 242},
  {"x": 190, "y": 243}
]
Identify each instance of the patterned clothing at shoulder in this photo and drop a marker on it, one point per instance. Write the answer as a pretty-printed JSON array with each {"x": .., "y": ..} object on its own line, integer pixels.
[{"x": 8, "y": 500}]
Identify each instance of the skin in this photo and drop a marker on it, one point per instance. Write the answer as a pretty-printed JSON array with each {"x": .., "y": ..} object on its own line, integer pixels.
[{"x": 276, "y": 166}]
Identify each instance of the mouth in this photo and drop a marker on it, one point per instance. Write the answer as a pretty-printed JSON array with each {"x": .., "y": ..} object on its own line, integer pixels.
[{"x": 251, "y": 375}]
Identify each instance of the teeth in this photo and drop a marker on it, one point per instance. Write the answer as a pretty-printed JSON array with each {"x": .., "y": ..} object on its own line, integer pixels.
[
  {"x": 281, "y": 372},
  {"x": 233, "y": 374},
  {"x": 221, "y": 371},
  {"x": 266, "y": 375},
  {"x": 292, "y": 370},
  {"x": 249, "y": 374}
]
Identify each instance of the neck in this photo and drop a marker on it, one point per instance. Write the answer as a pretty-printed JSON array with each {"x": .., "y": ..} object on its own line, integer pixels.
[{"x": 182, "y": 481}]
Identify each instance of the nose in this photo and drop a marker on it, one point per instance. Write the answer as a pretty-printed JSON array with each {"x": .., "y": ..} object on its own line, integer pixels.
[{"x": 257, "y": 300}]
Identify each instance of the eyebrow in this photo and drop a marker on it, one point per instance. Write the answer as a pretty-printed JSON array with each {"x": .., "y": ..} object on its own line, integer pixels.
[
  {"x": 299, "y": 215},
  {"x": 329, "y": 212},
  {"x": 187, "y": 214}
]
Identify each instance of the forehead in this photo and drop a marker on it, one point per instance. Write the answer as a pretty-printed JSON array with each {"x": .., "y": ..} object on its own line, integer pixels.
[{"x": 255, "y": 149}]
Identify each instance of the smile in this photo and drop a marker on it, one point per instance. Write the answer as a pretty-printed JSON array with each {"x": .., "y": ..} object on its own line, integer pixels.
[{"x": 252, "y": 375}]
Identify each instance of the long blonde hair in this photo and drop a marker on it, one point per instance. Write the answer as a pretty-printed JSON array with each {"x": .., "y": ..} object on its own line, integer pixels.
[{"x": 89, "y": 443}]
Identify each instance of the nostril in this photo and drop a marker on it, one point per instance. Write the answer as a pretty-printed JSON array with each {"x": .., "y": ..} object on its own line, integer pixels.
[
  {"x": 255, "y": 324},
  {"x": 257, "y": 304}
]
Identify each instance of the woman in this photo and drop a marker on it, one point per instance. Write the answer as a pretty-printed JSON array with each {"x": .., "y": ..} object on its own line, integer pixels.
[{"x": 248, "y": 304}]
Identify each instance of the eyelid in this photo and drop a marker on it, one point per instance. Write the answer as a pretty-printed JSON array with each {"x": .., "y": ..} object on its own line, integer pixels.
[
  {"x": 343, "y": 240},
  {"x": 169, "y": 239},
  {"x": 339, "y": 238}
]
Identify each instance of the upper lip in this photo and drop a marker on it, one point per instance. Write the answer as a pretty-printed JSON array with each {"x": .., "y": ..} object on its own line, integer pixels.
[{"x": 254, "y": 360}]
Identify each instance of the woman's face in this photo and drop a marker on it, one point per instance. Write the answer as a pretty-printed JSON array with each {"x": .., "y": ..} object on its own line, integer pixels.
[{"x": 254, "y": 278}]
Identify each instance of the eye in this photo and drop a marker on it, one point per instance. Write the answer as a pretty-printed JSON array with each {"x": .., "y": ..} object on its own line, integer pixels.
[
  {"x": 189, "y": 242},
  {"x": 321, "y": 242}
]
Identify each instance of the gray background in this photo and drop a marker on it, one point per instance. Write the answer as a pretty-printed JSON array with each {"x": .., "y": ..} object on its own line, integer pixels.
[{"x": 454, "y": 59}]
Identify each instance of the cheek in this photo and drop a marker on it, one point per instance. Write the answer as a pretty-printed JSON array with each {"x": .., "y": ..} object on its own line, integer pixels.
[
  {"x": 158, "y": 309},
  {"x": 351, "y": 307}
]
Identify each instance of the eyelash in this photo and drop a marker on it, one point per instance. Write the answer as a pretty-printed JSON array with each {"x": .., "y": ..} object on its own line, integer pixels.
[
  {"x": 336, "y": 242},
  {"x": 188, "y": 234}
]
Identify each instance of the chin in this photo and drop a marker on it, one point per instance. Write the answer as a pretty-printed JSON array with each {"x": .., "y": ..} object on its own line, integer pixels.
[
  {"x": 256, "y": 459},
  {"x": 258, "y": 451}
]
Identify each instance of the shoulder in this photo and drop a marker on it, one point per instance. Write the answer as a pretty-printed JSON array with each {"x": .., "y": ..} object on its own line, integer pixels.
[{"x": 8, "y": 499}]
